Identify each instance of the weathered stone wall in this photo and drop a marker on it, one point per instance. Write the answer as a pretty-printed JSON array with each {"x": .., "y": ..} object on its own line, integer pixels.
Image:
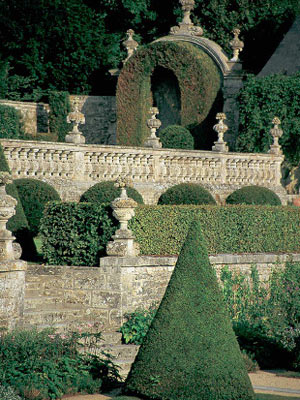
[
  {"x": 12, "y": 285},
  {"x": 34, "y": 115},
  {"x": 66, "y": 297},
  {"x": 72, "y": 169}
]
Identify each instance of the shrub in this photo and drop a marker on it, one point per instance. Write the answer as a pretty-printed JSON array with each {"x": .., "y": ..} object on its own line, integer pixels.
[
  {"x": 161, "y": 230},
  {"x": 8, "y": 393},
  {"x": 136, "y": 327},
  {"x": 253, "y": 195},
  {"x": 76, "y": 234},
  {"x": 106, "y": 192},
  {"x": 186, "y": 193},
  {"x": 190, "y": 350},
  {"x": 59, "y": 104},
  {"x": 11, "y": 126},
  {"x": 46, "y": 365},
  {"x": 18, "y": 224},
  {"x": 34, "y": 195},
  {"x": 176, "y": 137}
]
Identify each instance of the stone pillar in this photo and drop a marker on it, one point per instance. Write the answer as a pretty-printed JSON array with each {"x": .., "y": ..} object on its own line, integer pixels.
[{"x": 153, "y": 124}]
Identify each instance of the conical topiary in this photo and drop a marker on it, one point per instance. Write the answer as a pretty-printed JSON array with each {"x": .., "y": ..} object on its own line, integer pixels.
[{"x": 190, "y": 351}]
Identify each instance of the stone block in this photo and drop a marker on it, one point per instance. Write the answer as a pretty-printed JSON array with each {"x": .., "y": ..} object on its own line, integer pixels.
[
  {"x": 78, "y": 297},
  {"x": 106, "y": 300}
]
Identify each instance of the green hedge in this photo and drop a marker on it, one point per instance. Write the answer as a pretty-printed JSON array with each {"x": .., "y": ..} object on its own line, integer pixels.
[
  {"x": 161, "y": 230},
  {"x": 76, "y": 233},
  {"x": 190, "y": 350},
  {"x": 11, "y": 126},
  {"x": 176, "y": 137},
  {"x": 59, "y": 103},
  {"x": 254, "y": 195},
  {"x": 186, "y": 193},
  {"x": 34, "y": 195}
]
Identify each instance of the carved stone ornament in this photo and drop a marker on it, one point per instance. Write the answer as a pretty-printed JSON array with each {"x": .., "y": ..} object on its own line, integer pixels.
[
  {"x": 153, "y": 124},
  {"x": 236, "y": 44},
  {"x": 130, "y": 44},
  {"x": 220, "y": 128},
  {"x": 123, "y": 210},
  {"x": 75, "y": 136},
  {"x": 276, "y": 133},
  {"x": 7, "y": 210},
  {"x": 186, "y": 26}
]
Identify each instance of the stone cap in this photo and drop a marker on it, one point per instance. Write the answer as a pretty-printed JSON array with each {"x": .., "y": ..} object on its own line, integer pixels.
[{"x": 13, "y": 266}]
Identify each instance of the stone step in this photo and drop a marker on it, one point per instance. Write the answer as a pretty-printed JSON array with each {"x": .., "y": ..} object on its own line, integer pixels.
[
  {"x": 121, "y": 351},
  {"x": 124, "y": 368},
  {"x": 111, "y": 338}
]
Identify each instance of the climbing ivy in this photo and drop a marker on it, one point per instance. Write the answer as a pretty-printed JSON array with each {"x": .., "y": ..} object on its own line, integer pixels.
[{"x": 198, "y": 78}]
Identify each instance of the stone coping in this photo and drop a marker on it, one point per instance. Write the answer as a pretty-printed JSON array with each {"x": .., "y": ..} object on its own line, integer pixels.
[
  {"x": 13, "y": 266},
  {"x": 253, "y": 258},
  {"x": 141, "y": 261}
]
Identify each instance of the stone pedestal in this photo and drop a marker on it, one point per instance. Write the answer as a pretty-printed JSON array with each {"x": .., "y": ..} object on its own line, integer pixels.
[
  {"x": 153, "y": 142},
  {"x": 220, "y": 146},
  {"x": 75, "y": 137}
]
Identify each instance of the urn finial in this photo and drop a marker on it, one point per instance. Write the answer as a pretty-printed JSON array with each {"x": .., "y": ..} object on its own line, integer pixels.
[{"x": 236, "y": 44}]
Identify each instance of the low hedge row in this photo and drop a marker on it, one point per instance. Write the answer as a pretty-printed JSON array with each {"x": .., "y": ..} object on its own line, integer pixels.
[
  {"x": 77, "y": 234},
  {"x": 161, "y": 230}
]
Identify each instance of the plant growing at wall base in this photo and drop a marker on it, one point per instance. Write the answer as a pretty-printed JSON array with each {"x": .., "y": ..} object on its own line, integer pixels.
[
  {"x": 190, "y": 350},
  {"x": 59, "y": 104},
  {"x": 254, "y": 195},
  {"x": 11, "y": 126},
  {"x": 176, "y": 137},
  {"x": 186, "y": 193},
  {"x": 106, "y": 192}
]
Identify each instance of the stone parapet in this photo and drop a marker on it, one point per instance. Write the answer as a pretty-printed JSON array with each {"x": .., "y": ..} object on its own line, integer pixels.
[{"x": 72, "y": 168}]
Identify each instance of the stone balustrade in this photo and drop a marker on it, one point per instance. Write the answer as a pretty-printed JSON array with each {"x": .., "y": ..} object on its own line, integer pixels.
[{"x": 72, "y": 168}]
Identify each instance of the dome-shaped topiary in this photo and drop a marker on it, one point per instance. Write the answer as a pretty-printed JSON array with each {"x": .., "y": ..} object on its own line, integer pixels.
[
  {"x": 106, "y": 192},
  {"x": 176, "y": 137},
  {"x": 34, "y": 195},
  {"x": 186, "y": 193},
  {"x": 256, "y": 195},
  {"x": 190, "y": 350}
]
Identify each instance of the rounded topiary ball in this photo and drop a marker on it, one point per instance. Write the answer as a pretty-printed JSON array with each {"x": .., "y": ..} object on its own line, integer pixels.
[
  {"x": 186, "y": 193},
  {"x": 255, "y": 195},
  {"x": 34, "y": 195},
  {"x": 106, "y": 192},
  {"x": 176, "y": 137}
]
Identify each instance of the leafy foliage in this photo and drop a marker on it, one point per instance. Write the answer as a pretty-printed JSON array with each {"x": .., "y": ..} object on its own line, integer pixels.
[
  {"x": 136, "y": 327},
  {"x": 134, "y": 97},
  {"x": 260, "y": 100},
  {"x": 11, "y": 126},
  {"x": 106, "y": 192},
  {"x": 266, "y": 315},
  {"x": 186, "y": 193},
  {"x": 190, "y": 350},
  {"x": 34, "y": 195},
  {"x": 161, "y": 230},
  {"x": 176, "y": 137},
  {"x": 59, "y": 104},
  {"x": 76, "y": 234},
  {"x": 253, "y": 195},
  {"x": 44, "y": 364},
  {"x": 8, "y": 393}
]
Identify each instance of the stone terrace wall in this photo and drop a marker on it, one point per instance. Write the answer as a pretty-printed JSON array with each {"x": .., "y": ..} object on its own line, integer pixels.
[
  {"x": 72, "y": 169},
  {"x": 66, "y": 297}
]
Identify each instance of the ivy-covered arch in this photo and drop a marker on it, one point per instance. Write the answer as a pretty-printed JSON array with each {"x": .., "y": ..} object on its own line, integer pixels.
[{"x": 199, "y": 81}]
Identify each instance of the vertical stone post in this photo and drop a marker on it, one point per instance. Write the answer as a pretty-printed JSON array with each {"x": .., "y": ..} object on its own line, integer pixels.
[
  {"x": 75, "y": 136},
  {"x": 221, "y": 129},
  {"x": 153, "y": 124}
]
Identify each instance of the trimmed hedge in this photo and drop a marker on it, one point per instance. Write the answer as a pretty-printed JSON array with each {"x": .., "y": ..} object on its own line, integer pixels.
[
  {"x": 198, "y": 77},
  {"x": 18, "y": 224},
  {"x": 254, "y": 195},
  {"x": 59, "y": 103},
  {"x": 11, "y": 126},
  {"x": 76, "y": 233},
  {"x": 106, "y": 192},
  {"x": 176, "y": 137},
  {"x": 190, "y": 350},
  {"x": 161, "y": 230},
  {"x": 186, "y": 193},
  {"x": 34, "y": 195}
]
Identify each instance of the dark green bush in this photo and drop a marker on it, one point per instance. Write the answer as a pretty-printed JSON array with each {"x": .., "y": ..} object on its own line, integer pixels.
[
  {"x": 11, "y": 126},
  {"x": 190, "y": 350},
  {"x": 186, "y": 193},
  {"x": 46, "y": 365},
  {"x": 34, "y": 195},
  {"x": 76, "y": 233},
  {"x": 254, "y": 195},
  {"x": 176, "y": 137},
  {"x": 161, "y": 230},
  {"x": 59, "y": 109},
  {"x": 106, "y": 192}
]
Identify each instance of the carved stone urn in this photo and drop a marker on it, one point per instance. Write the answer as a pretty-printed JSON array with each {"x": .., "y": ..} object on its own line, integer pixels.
[
  {"x": 7, "y": 210},
  {"x": 123, "y": 240}
]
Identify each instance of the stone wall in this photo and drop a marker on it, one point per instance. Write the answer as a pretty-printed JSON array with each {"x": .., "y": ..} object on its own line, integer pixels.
[
  {"x": 12, "y": 285},
  {"x": 72, "y": 169},
  {"x": 66, "y": 297}
]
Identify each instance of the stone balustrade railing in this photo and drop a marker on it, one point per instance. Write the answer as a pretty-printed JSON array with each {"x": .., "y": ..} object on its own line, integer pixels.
[{"x": 72, "y": 169}]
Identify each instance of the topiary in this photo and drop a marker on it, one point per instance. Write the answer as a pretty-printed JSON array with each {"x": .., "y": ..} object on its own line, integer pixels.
[
  {"x": 34, "y": 195},
  {"x": 18, "y": 224},
  {"x": 190, "y": 350},
  {"x": 254, "y": 195},
  {"x": 106, "y": 192},
  {"x": 176, "y": 137},
  {"x": 186, "y": 193}
]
